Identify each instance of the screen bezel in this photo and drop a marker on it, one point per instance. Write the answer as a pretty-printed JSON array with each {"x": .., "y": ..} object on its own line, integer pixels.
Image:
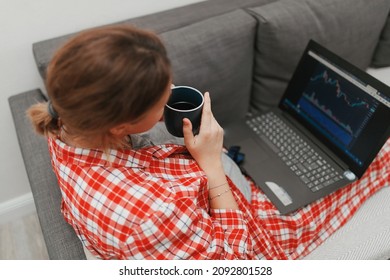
[{"x": 382, "y": 129}]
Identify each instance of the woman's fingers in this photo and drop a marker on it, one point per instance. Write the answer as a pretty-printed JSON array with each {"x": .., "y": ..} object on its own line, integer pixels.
[
  {"x": 187, "y": 132},
  {"x": 207, "y": 115}
]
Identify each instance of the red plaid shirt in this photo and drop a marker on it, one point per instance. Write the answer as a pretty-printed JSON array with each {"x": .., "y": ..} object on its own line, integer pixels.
[{"x": 152, "y": 203}]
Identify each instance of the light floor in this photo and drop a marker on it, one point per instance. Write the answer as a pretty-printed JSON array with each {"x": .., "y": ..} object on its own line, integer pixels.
[{"x": 22, "y": 239}]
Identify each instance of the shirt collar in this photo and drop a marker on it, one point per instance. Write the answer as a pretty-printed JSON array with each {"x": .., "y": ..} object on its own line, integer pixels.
[{"x": 134, "y": 158}]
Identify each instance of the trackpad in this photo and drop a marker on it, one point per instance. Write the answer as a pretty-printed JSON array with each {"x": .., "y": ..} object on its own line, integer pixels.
[{"x": 280, "y": 193}]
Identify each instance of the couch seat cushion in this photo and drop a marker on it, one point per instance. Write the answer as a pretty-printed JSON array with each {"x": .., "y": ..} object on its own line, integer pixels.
[{"x": 365, "y": 237}]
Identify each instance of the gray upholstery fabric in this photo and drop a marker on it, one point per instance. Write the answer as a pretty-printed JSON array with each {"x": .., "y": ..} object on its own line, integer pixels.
[
  {"x": 159, "y": 22},
  {"x": 365, "y": 237},
  {"x": 216, "y": 55},
  {"x": 286, "y": 26},
  {"x": 60, "y": 238},
  {"x": 382, "y": 53}
]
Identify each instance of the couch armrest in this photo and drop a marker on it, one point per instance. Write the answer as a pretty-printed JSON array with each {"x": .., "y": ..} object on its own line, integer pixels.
[{"x": 61, "y": 240}]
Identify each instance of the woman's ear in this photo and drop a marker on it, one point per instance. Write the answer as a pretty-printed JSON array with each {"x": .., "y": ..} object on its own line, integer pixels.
[{"x": 121, "y": 130}]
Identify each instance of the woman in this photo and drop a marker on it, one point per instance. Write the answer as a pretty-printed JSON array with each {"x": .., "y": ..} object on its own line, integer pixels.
[{"x": 130, "y": 195}]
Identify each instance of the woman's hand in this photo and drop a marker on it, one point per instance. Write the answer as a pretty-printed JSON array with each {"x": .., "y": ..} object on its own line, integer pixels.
[{"x": 206, "y": 147}]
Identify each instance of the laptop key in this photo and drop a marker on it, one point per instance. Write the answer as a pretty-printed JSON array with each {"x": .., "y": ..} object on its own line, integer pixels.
[
  {"x": 302, "y": 168},
  {"x": 317, "y": 188},
  {"x": 305, "y": 179}
]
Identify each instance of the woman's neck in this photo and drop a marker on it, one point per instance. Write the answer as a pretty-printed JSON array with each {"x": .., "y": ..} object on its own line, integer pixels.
[{"x": 94, "y": 142}]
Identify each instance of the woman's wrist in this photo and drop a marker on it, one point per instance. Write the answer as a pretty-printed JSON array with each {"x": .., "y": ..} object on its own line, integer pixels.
[
  {"x": 217, "y": 186},
  {"x": 220, "y": 194},
  {"x": 213, "y": 167}
]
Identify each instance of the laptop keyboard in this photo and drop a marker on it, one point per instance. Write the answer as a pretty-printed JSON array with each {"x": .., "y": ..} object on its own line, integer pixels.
[{"x": 296, "y": 153}]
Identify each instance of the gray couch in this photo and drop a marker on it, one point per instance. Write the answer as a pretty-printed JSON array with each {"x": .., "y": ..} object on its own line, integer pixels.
[{"x": 243, "y": 52}]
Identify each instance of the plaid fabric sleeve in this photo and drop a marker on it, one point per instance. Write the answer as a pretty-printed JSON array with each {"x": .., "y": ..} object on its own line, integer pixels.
[
  {"x": 235, "y": 232},
  {"x": 181, "y": 230}
]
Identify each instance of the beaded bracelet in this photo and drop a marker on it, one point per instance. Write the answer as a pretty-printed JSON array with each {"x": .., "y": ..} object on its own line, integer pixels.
[
  {"x": 218, "y": 195},
  {"x": 218, "y": 186}
]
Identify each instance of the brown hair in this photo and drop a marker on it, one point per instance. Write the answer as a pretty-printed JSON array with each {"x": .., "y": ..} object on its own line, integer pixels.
[{"x": 100, "y": 78}]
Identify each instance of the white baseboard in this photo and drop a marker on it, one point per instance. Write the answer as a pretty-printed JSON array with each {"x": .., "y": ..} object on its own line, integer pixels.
[{"x": 16, "y": 208}]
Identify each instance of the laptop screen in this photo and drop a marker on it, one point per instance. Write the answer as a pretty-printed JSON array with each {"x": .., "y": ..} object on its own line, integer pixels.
[{"x": 341, "y": 106}]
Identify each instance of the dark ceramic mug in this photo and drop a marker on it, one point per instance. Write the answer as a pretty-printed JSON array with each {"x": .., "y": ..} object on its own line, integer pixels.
[{"x": 184, "y": 102}]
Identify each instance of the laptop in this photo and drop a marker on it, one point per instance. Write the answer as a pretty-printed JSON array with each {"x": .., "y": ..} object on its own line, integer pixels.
[{"x": 330, "y": 124}]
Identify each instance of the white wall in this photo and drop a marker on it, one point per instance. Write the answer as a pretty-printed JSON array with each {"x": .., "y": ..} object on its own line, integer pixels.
[{"x": 23, "y": 22}]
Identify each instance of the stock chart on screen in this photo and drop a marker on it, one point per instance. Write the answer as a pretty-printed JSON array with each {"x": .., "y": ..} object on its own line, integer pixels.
[{"x": 339, "y": 107}]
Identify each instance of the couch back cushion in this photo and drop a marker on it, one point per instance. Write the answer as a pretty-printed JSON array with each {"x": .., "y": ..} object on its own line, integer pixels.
[
  {"x": 350, "y": 28},
  {"x": 216, "y": 55},
  {"x": 159, "y": 22},
  {"x": 382, "y": 53}
]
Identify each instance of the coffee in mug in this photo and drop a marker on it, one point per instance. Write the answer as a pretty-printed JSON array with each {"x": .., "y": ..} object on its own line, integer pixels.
[{"x": 184, "y": 102}]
